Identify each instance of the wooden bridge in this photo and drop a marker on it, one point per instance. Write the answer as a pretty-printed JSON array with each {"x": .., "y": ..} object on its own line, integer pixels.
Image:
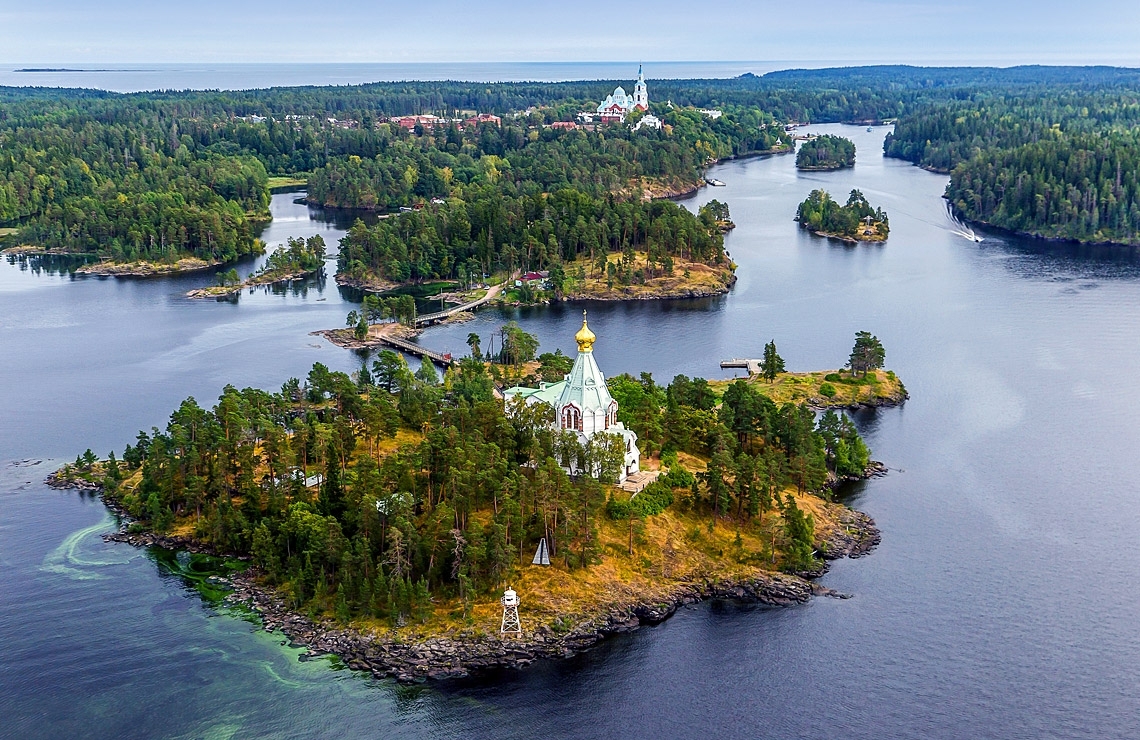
[
  {"x": 416, "y": 350},
  {"x": 428, "y": 319}
]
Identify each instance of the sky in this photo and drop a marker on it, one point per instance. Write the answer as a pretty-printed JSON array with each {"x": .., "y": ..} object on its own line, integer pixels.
[{"x": 991, "y": 32}]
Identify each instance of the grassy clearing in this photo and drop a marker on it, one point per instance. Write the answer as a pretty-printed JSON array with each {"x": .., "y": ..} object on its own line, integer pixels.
[
  {"x": 688, "y": 279},
  {"x": 881, "y": 387},
  {"x": 670, "y": 550},
  {"x": 277, "y": 182},
  {"x": 8, "y": 231}
]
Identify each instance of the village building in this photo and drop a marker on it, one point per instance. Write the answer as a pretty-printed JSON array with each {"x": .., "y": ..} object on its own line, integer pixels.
[
  {"x": 618, "y": 104},
  {"x": 582, "y": 403},
  {"x": 483, "y": 118},
  {"x": 410, "y": 122}
]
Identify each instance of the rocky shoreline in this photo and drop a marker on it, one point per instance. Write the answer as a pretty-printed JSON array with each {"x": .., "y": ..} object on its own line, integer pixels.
[
  {"x": 848, "y": 239},
  {"x": 384, "y": 655},
  {"x": 252, "y": 282}
]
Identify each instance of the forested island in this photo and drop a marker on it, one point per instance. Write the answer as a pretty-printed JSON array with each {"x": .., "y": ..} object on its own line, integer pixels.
[
  {"x": 383, "y": 512},
  {"x": 854, "y": 221},
  {"x": 826, "y": 152},
  {"x": 298, "y": 258}
]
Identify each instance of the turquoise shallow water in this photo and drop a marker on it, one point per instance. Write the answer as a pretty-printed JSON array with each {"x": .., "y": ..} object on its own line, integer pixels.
[{"x": 1002, "y": 602}]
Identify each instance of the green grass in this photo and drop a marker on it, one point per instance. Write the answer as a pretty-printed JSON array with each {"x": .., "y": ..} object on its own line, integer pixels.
[{"x": 277, "y": 182}]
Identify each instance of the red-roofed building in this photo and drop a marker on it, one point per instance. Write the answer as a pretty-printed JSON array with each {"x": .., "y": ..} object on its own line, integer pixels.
[
  {"x": 483, "y": 118},
  {"x": 564, "y": 125},
  {"x": 410, "y": 122}
]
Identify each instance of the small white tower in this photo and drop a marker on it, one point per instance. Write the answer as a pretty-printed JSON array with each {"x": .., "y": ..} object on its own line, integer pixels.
[
  {"x": 511, "y": 624},
  {"x": 640, "y": 92}
]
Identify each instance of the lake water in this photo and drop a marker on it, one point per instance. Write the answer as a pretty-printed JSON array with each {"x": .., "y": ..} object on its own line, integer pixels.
[{"x": 1001, "y": 603}]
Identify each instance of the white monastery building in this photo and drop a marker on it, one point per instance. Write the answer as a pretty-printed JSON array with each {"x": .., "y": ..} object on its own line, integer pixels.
[
  {"x": 618, "y": 105},
  {"x": 582, "y": 403}
]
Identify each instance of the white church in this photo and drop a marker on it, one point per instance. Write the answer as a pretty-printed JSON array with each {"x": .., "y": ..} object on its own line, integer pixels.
[
  {"x": 618, "y": 105},
  {"x": 582, "y": 403}
]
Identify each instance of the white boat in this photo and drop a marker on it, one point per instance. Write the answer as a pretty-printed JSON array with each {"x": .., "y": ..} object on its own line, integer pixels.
[{"x": 715, "y": 183}]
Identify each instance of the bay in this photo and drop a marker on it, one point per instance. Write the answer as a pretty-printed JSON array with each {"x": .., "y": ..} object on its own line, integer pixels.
[{"x": 1001, "y": 602}]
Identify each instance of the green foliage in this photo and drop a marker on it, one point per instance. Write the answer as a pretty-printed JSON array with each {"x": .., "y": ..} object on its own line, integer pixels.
[
  {"x": 772, "y": 364},
  {"x": 833, "y": 378},
  {"x": 820, "y": 213},
  {"x": 867, "y": 354},
  {"x": 827, "y": 390},
  {"x": 799, "y": 528},
  {"x": 518, "y": 346},
  {"x": 826, "y": 152},
  {"x": 1052, "y": 162},
  {"x": 295, "y": 257},
  {"x": 553, "y": 366}
]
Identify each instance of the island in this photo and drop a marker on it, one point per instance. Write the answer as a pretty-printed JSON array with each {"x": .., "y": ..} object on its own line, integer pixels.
[
  {"x": 381, "y": 516},
  {"x": 826, "y": 152},
  {"x": 856, "y": 221},
  {"x": 297, "y": 259}
]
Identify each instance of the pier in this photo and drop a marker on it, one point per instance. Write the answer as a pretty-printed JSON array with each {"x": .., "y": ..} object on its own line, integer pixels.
[{"x": 752, "y": 366}]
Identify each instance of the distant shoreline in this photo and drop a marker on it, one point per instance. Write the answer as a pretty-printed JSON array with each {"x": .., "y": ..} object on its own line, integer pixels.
[{"x": 67, "y": 69}]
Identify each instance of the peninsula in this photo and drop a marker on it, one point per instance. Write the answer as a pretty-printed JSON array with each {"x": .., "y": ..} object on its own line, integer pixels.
[
  {"x": 856, "y": 221},
  {"x": 383, "y": 514},
  {"x": 298, "y": 258}
]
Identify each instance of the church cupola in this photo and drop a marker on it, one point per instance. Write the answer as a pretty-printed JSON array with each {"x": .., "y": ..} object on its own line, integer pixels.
[{"x": 585, "y": 338}]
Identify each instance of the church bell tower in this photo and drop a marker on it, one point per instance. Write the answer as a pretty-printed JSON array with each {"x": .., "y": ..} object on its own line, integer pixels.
[{"x": 640, "y": 92}]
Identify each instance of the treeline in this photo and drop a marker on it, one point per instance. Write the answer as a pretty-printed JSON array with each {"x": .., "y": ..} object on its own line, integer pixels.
[
  {"x": 108, "y": 188},
  {"x": 826, "y": 152},
  {"x": 346, "y": 517},
  {"x": 820, "y": 213},
  {"x": 1083, "y": 187},
  {"x": 500, "y": 227},
  {"x": 1054, "y": 163},
  {"x": 162, "y": 175},
  {"x": 942, "y": 135}
]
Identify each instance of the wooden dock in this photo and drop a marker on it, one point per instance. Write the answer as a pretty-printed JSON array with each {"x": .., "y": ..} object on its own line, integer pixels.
[{"x": 752, "y": 366}]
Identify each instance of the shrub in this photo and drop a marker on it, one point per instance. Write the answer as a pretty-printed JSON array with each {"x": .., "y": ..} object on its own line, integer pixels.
[
  {"x": 827, "y": 389},
  {"x": 833, "y": 378},
  {"x": 677, "y": 477}
]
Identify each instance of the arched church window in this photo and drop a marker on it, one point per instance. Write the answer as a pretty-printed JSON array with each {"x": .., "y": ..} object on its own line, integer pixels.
[{"x": 571, "y": 418}]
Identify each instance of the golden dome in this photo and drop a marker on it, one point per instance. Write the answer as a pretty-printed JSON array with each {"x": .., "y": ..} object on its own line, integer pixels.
[{"x": 585, "y": 338}]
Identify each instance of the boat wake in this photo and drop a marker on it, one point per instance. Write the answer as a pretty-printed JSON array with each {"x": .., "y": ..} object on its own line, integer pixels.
[{"x": 961, "y": 229}]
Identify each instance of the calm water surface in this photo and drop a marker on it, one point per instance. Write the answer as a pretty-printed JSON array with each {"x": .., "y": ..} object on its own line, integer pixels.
[{"x": 1002, "y": 602}]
